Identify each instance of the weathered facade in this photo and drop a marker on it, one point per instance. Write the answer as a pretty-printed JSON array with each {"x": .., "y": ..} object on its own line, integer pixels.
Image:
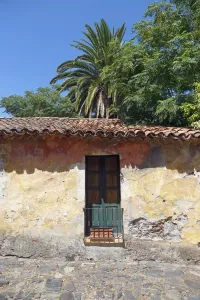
[{"x": 42, "y": 182}]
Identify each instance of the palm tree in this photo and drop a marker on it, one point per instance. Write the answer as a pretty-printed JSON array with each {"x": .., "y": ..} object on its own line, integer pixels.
[{"x": 82, "y": 76}]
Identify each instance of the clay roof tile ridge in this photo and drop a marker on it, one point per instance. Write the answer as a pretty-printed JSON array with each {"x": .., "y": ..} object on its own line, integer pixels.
[{"x": 92, "y": 126}]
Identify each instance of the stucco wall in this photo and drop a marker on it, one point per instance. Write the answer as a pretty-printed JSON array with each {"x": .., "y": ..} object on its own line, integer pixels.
[{"x": 42, "y": 189}]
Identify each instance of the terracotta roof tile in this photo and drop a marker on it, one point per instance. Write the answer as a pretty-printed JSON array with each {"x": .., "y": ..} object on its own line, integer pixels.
[{"x": 85, "y": 127}]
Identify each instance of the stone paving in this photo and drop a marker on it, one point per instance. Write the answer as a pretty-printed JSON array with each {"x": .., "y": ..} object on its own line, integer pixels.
[{"x": 86, "y": 280}]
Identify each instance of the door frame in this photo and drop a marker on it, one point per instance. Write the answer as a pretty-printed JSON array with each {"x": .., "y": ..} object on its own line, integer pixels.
[{"x": 102, "y": 177}]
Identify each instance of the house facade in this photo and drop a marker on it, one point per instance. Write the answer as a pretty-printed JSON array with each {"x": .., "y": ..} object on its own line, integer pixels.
[{"x": 72, "y": 183}]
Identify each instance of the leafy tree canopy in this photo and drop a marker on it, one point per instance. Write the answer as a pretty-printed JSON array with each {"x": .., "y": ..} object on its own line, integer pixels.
[
  {"x": 158, "y": 70},
  {"x": 45, "y": 102}
]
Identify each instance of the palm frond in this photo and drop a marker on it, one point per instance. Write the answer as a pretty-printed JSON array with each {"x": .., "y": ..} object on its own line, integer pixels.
[
  {"x": 120, "y": 33},
  {"x": 81, "y": 91},
  {"x": 85, "y": 48},
  {"x": 66, "y": 64},
  {"x": 92, "y": 36},
  {"x": 90, "y": 97}
]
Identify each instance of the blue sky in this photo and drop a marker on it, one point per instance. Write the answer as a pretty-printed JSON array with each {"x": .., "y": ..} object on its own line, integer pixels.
[{"x": 35, "y": 36}]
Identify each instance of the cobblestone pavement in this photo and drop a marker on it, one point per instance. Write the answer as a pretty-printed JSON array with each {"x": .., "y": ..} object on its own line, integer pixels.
[{"x": 78, "y": 280}]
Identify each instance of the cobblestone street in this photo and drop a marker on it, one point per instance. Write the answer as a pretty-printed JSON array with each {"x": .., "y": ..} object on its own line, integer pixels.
[{"x": 59, "y": 279}]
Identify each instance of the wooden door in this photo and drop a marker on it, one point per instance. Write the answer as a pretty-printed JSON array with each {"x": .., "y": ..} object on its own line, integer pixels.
[{"x": 103, "y": 194}]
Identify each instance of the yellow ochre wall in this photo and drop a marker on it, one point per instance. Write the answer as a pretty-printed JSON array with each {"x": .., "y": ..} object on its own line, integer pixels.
[{"x": 42, "y": 187}]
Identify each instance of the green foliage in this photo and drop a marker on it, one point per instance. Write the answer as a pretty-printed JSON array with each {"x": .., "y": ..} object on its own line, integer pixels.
[
  {"x": 191, "y": 111},
  {"x": 155, "y": 73},
  {"x": 167, "y": 112},
  {"x": 45, "y": 102},
  {"x": 185, "y": 4},
  {"x": 82, "y": 76}
]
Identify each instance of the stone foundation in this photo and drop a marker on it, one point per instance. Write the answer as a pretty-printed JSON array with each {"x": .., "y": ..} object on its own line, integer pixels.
[{"x": 73, "y": 249}]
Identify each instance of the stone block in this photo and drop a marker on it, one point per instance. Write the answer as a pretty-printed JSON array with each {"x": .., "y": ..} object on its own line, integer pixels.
[
  {"x": 154, "y": 272},
  {"x": 68, "y": 270},
  {"x": 67, "y": 296},
  {"x": 193, "y": 284},
  {"x": 128, "y": 295},
  {"x": 69, "y": 285},
  {"x": 54, "y": 285},
  {"x": 3, "y": 282}
]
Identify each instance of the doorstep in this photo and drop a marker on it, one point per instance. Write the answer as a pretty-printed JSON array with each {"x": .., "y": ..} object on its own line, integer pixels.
[{"x": 104, "y": 242}]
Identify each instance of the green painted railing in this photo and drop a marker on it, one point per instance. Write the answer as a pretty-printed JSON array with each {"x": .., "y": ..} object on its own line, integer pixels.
[{"x": 108, "y": 219}]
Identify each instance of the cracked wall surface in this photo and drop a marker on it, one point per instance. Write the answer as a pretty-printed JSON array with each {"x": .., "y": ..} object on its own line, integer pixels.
[{"x": 42, "y": 191}]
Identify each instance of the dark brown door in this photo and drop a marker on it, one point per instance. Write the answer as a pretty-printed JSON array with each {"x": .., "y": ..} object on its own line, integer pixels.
[{"x": 103, "y": 192}]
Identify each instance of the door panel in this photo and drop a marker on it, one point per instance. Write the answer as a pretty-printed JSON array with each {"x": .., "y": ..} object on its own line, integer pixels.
[
  {"x": 112, "y": 180},
  {"x": 93, "y": 163},
  {"x": 111, "y": 196},
  {"x": 93, "y": 180},
  {"x": 93, "y": 197},
  {"x": 111, "y": 163}
]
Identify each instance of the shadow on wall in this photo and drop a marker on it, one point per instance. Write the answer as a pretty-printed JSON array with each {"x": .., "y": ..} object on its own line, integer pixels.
[
  {"x": 185, "y": 157},
  {"x": 59, "y": 155}
]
